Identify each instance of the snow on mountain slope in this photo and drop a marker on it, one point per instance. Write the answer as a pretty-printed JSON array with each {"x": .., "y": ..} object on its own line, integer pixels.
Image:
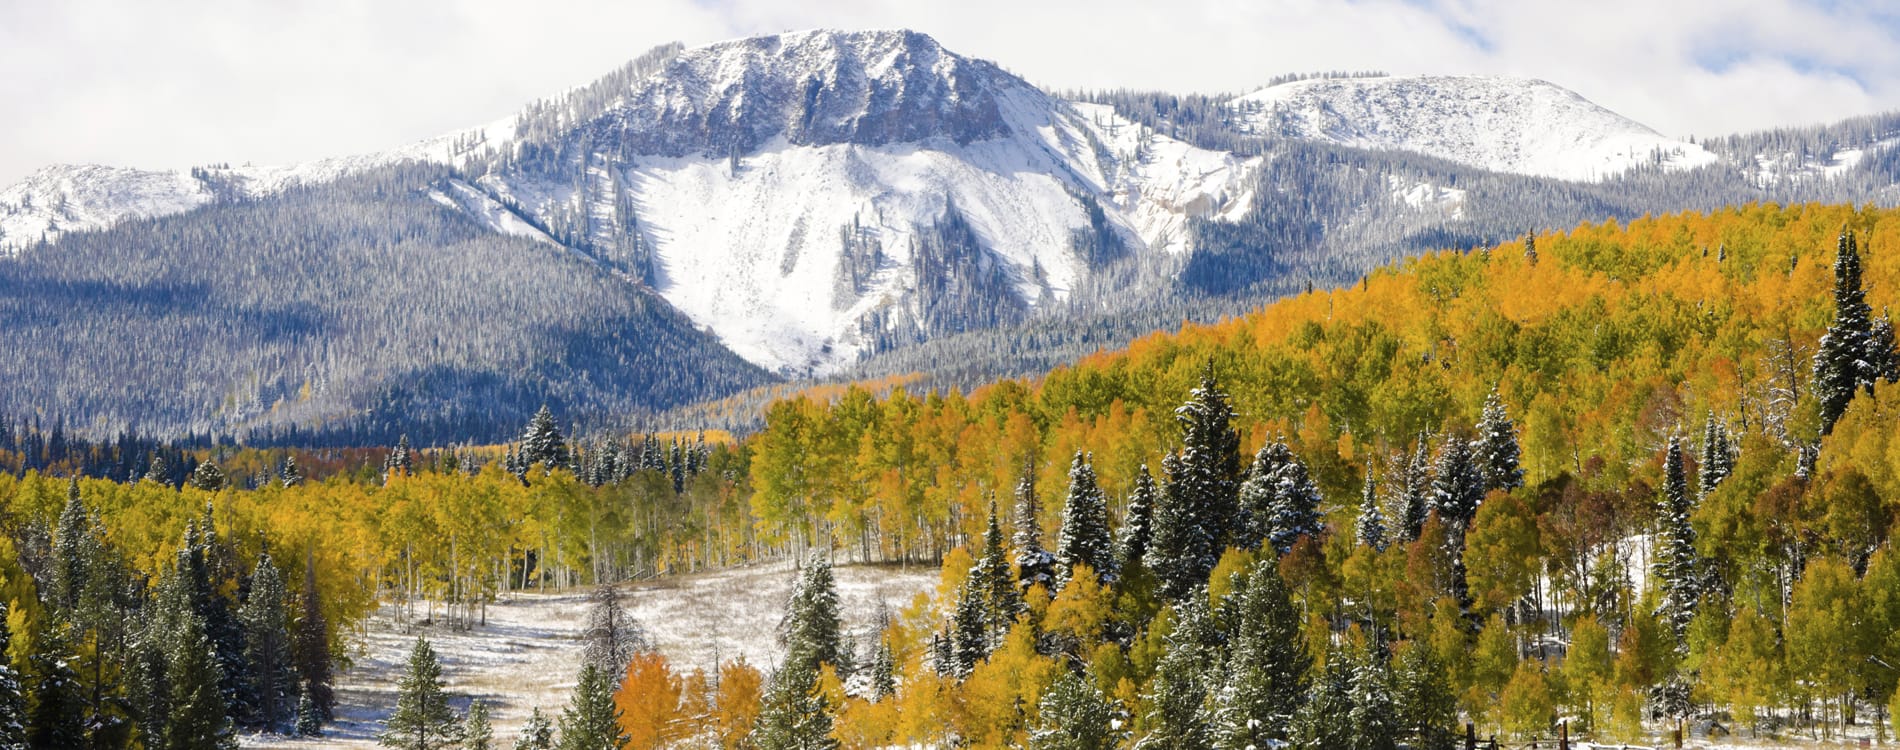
[
  {"x": 65, "y": 198},
  {"x": 760, "y": 171},
  {"x": 1499, "y": 123}
]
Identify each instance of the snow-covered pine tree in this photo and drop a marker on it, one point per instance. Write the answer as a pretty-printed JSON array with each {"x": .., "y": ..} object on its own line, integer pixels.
[
  {"x": 794, "y": 714},
  {"x": 1178, "y": 715},
  {"x": 591, "y": 721},
  {"x": 310, "y": 648},
  {"x": 1131, "y": 547},
  {"x": 1413, "y": 490},
  {"x": 1198, "y": 509},
  {"x": 1676, "y": 566},
  {"x": 1295, "y": 509},
  {"x": 400, "y": 462},
  {"x": 1074, "y": 715},
  {"x": 812, "y": 632},
  {"x": 542, "y": 443},
  {"x": 1374, "y": 725},
  {"x": 613, "y": 637},
  {"x": 1326, "y": 718},
  {"x": 1084, "y": 538},
  {"x": 147, "y": 665},
  {"x": 1035, "y": 565},
  {"x": 1254, "y": 502},
  {"x": 12, "y": 692},
  {"x": 970, "y": 635},
  {"x": 883, "y": 677},
  {"x": 1718, "y": 457},
  {"x": 58, "y": 715},
  {"x": 199, "y": 712},
  {"x": 1265, "y": 676},
  {"x": 1496, "y": 450},
  {"x": 208, "y": 477},
  {"x": 289, "y": 474},
  {"x": 158, "y": 472},
  {"x": 309, "y": 717},
  {"x": 67, "y": 574},
  {"x": 536, "y": 733},
  {"x": 1425, "y": 708},
  {"x": 1883, "y": 357},
  {"x": 995, "y": 582},
  {"x": 270, "y": 674},
  {"x": 1457, "y": 485},
  {"x": 1844, "y": 363},
  {"x": 477, "y": 734},
  {"x": 422, "y": 719},
  {"x": 1370, "y": 529}
]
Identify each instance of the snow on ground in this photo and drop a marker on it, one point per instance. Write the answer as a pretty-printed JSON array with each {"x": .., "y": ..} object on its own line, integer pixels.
[{"x": 529, "y": 651}]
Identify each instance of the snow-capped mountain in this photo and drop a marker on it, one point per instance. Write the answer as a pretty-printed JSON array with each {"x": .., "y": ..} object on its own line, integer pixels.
[{"x": 1499, "y": 123}]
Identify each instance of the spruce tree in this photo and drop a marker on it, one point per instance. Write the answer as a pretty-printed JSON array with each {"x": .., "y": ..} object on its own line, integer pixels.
[
  {"x": 1414, "y": 491},
  {"x": 1373, "y": 720},
  {"x": 1676, "y": 565},
  {"x": 613, "y": 637},
  {"x": 289, "y": 474},
  {"x": 1198, "y": 510},
  {"x": 12, "y": 693},
  {"x": 591, "y": 721},
  {"x": 311, "y": 647},
  {"x": 309, "y": 717},
  {"x": 476, "y": 733},
  {"x": 400, "y": 462},
  {"x": 1425, "y": 708},
  {"x": 970, "y": 635},
  {"x": 1265, "y": 677},
  {"x": 1255, "y": 498},
  {"x": 147, "y": 666},
  {"x": 267, "y": 647},
  {"x": 1035, "y": 566},
  {"x": 1457, "y": 485},
  {"x": 1718, "y": 457},
  {"x": 883, "y": 670},
  {"x": 1178, "y": 716},
  {"x": 422, "y": 719},
  {"x": 199, "y": 711},
  {"x": 1326, "y": 718},
  {"x": 1295, "y": 509},
  {"x": 1074, "y": 715},
  {"x": 542, "y": 443},
  {"x": 536, "y": 733},
  {"x": 1084, "y": 538},
  {"x": 794, "y": 715},
  {"x": 1496, "y": 451},
  {"x": 1370, "y": 529},
  {"x": 69, "y": 565},
  {"x": 812, "y": 632},
  {"x": 208, "y": 477},
  {"x": 58, "y": 716},
  {"x": 994, "y": 581},
  {"x": 1131, "y": 547},
  {"x": 1844, "y": 363}
]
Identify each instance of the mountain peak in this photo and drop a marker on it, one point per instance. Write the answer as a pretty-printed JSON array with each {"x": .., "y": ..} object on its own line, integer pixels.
[{"x": 1501, "y": 123}]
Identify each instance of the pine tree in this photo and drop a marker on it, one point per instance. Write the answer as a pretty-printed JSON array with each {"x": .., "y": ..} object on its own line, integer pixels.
[
  {"x": 1137, "y": 531},
  {"x": 1370, "y": 529},
  {"x": 812, "y": 632},
  {"x": 1265, "y": 677},
  {"x": 147, "y": 666},
  {"x": 58, "y": 716},
  {"x": 1326, "y": 718},
  {"x": 198, "y": 707},
  {"x": 208, "y": 477},
  {"x": 1295, "y": 509},
  {"x": 794, "y": 715},
  {"x": 1457, "y": 485},
  {"x": 591, "y": 721},
  {"x": 1074, "y": 715},
  {"x": 1084, "y": 539},
  {"x": 1676, "y": 565},
  {"x": 1718, "y": 457},
  {"x": 1414, "y": 498},
  {"x": 536, "y": 733},
  {"x": 612, "y": 635},
  {"x": 1374, "y": 726},
  {"x": 401, "y": 461},
  {"x": 271, "y": 677},
  {"x": 1425, "y": 709},
  {"x": 970, "y": 635},
  {"x": 1198, "y": 511},
  {"x": 69, "y": 564},
  {"x": 309, "y": 717},
  {"x": 1496, "y": 451},
  {"x": 1255, "y": 496},
  {"x": 1001, "y": 600},
  {"x": 289, "y": 474},
  {"x": 1845, "y": 362},
  {"x": 12, "y": 693},
  {"x": 311, "y": 647},
  {"x": 476, "y": 733},
  {"x": 1178, "y": 716},
  {"x": 542, "y": 443},
  {"x": 422, "y": 719},
  {"x": 1035, "y": 566},
  {"x": 883, "y": 670}
]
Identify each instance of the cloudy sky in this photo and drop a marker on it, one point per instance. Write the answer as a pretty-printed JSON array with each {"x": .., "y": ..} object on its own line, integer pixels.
[{"x": 172, "y": 84}]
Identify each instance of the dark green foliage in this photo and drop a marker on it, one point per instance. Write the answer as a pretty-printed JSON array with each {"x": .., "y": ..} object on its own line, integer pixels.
[
  {"x": 995, "y": 582},
  {"x": 812, "y": 632},
  {"x": 309, "y": 717},
  {"x": 208, "y": 477},
  {"x": 591, "y": 721},
  {"x": 970, "y": 635},
  {"x": 1178, "y": 716},
  {"x": 1425, "y": 709},
  {"x": 1846, "y": 362},
  {"x": 1197, "y": 511},
  {"x": 1370, "y": 529},
  {"x": 1035, "y": 566},
  {"x": 1718, "y": 457},
  {"x": 1084, "y": 538},
  {"x": 1131, "y": 547},
  {"x": 1264, "y": 682},
  {"x": 67, "y": 574},
  {"x": 542, "y": 442},
  {"x": 58, "y": 718},
  {"x": 311, "y": 647},
  {"x": 883, "y": 670},
  {"x": 1074, "y": 715},
  {"x": 12, "y": 693},
  {"x": 401, "y": 461},
  {"x": 1279, "y": 502},
  {"x": 476, "y": 733},
  {"x": 1374, "y": 725},
  {"x": 794, "y": 714},
  {"x": 270, "y": 675},
  {"x": 199, "y": 709},
  {"x": 422, "y": 719},
  {"x": 1326, "y": 720},
  {"x": 1457, "y": 485},
  {"x": 1676, "y": 565}
]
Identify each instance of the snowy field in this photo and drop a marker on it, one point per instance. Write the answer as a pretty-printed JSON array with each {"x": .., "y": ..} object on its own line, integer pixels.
[{"x": 528, "y": 653}]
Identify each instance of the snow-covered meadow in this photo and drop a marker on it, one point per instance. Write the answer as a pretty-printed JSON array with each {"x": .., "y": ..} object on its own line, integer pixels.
[{"x": 528, "y": 652}]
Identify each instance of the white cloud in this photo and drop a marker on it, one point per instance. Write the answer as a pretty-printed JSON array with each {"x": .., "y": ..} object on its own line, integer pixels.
[{"x": 175, "y": 84}]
